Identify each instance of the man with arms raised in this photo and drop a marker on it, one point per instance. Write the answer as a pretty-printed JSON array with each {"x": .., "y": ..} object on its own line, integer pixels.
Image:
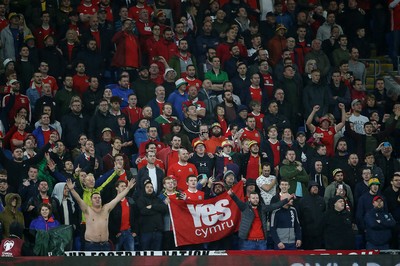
[{"x": 96, "y": 235}]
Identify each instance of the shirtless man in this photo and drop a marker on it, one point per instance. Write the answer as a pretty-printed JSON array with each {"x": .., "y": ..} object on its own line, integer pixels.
[{"x": 96, "y": 234}]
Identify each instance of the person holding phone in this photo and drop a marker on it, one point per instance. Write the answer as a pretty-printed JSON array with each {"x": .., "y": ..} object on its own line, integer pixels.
[{"x": 338, "y": 187}]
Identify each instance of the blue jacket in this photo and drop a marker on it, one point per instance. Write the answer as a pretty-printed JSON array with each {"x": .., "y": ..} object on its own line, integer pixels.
[
  {"x": 177, "y": 100},
  {"x": 123, "y": 94},
  {"x": 40, "y": 223},
  {"x": 379, "y": 233},
  {"x": 364, "y": 205},
  {"x": 38, "y": 133}
]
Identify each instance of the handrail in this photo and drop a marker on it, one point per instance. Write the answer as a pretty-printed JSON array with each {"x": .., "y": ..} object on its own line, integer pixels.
[
  {"x": 398, "y": 65},
  {"x": 377, "y": 67}
]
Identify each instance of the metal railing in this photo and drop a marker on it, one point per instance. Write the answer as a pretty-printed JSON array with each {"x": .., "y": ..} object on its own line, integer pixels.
[
  {"x": 376, "y": 63},
  {"x": 398, "y": 65}
]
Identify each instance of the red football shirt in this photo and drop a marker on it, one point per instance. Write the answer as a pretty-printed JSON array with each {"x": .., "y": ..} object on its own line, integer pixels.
[{"x": 181, "y": 172}]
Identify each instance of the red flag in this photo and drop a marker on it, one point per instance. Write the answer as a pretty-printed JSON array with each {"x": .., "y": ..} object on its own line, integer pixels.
[{"x": 196, "y": 222}]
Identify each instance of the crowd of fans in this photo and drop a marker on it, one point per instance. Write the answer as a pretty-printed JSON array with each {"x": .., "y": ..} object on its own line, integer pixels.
[{"x": 188, "y": 98}]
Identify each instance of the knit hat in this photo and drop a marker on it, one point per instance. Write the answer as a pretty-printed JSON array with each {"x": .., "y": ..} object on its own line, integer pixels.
[
  {"x": 229, "y": 172},
  {"x": 226, "y": 143},
  {"x": 106, "y": 129},
  {"x": 252, "y": 142},
  {"x": 180, "y": 82},
  {"x": 197, "y": 143},
  {"x": 168, "y": 69},
  {"x": 28, "y": 37},
  {"x": 250, "y": 182},
  {"x": 242, "y": 108},
  {"x": 335, "y": 199},
  {"x": 7, "y": 61},
  {"x": 337, "y": 170},
  {"x": 11, "y": 15},
  {"x": 312, "y": 184},
  {"x": 373, "y": 181},
  {"x": 216, "y": 125}
]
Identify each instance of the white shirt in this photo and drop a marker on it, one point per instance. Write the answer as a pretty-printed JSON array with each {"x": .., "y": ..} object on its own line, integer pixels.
[
  {"x": 153, "y": 178},
  {"x": 266, "y": 195}
]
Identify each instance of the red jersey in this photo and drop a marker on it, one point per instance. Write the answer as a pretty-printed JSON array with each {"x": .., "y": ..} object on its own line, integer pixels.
[
  {"x": 276, "y": 152},
  {"x": 20, "y": 101},
  {"x": 251, "y": 135},
  {"x": 151, "y": 45},
  {"x": 17, "y": 136},
  {"x": 181, "y": 172},
  {"x": 166, "y": 49},
  {"x": 394, "y": 17},
  {"x": 196, "y": 102},
  {"x": 259, "y": 120},
  {"x": 256, "y": 94},
  {"x": 253, "y": 167},
  {"x": 159, "y": 146},
  {"x": 134, "y": 11},
  {"x": 268, "y": 85},
  {"x": 3, "y": 23},
  {"x": 87, "y": 9},
  {"x": 53, "y": 83},
  {"x": 125, "y": 215},
  {"x": 193, "y": 82},
  {"x": 133, "y": 114},
  {"x": 81, "y": 84},
  {"x": 328, "y": 139},
  {"x": 256, "y": 230},
  {"x": 158, "y": 163},
  {"x": 40, "y": 33},
  {"x": 197, "y": 195},
  {"x": 158, "y": 80},
  {"x": 144, "y": 29}
]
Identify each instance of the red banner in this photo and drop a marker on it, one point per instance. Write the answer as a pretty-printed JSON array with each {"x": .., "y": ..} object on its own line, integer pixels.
[{"x": 196, "y": 222}]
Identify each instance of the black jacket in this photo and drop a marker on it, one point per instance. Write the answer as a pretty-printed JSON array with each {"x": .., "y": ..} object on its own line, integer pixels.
[
  {"x": 114, "y": 223},
  {"x": 151, "y": 220},
  {"x": 311, "y": 210},
  {"x": 143, "y": 174},
  {"x": 73, "y": 125},
  {"x": 338, "y": 232}
]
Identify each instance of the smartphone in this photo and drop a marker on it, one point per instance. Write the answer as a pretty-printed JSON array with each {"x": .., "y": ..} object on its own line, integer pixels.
[{"x": 340, "y": 186}]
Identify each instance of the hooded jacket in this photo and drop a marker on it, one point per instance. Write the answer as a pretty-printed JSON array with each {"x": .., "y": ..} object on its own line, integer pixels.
[
  {"x": 151, "y": 220},
  {"x": 7, "y": 217},
  {"x": 58, "y": 208}
]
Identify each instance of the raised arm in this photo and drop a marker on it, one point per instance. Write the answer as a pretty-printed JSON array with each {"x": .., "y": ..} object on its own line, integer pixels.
[
  {"x": 109, "y": 206},
  {"x": 339, "y": 126},
  {"x": 76, "y": 196},
  {"x": 309, "y": 124}
]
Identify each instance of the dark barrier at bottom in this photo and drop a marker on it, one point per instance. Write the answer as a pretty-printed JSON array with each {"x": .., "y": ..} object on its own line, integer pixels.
[{"x": 233, "y": 258}]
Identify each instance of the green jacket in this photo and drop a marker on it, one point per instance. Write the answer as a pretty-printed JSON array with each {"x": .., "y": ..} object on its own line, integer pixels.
[
  {"x": 289, "y": 172},
  {"x": 175, "y": 64},
  {"x": 7, "y": 217}
]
